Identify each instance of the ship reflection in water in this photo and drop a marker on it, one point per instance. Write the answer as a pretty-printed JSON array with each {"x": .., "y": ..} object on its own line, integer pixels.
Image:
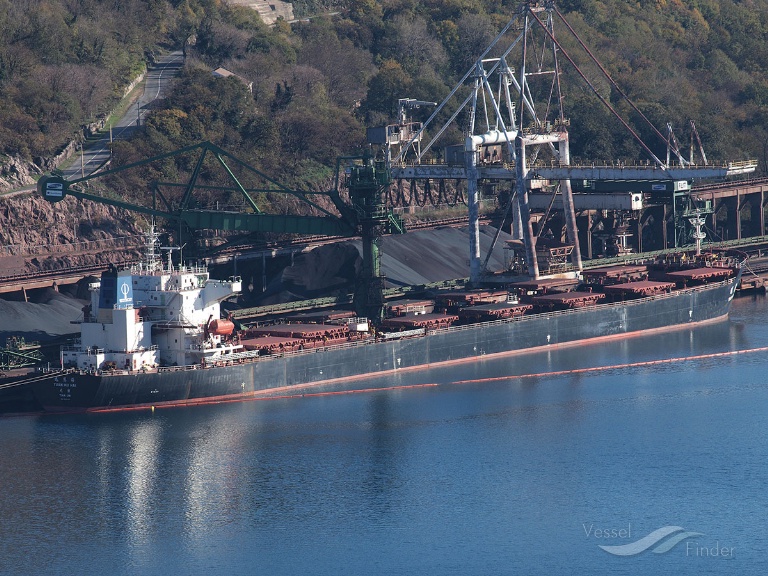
[
  {"x": 141, "y": 476},
  {"x": 497, "y": 475}
]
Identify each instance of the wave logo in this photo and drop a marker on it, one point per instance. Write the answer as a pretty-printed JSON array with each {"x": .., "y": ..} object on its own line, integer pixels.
[{"x": 664, "y": 539}]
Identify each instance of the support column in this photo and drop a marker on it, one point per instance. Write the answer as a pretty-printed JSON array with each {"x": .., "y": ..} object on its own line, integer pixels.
[
  {"x": 572, "y": 232},
  {"x": 525, "y": 210},
  {"x": 755, "y": 212},
  {"x": 263, "y": 272},
  {"x": 517, "y": 221},
  {"x": 733, "y": 220},
  {"x": 473, "y": 203}
]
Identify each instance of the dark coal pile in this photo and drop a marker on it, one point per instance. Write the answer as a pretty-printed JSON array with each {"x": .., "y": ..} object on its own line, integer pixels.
[
  {"x": 427, "y": 256},
  {"x": 327, "y": 269},
  {"x": 415, "y": 258},
  {"x": 47, "y": 316}
]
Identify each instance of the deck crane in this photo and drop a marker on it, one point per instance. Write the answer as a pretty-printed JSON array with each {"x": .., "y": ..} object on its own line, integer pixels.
[{"x": 363, "y": 215}]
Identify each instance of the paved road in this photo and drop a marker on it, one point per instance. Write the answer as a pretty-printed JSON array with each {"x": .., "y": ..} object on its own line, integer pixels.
[{"x": 156, "y": 83}]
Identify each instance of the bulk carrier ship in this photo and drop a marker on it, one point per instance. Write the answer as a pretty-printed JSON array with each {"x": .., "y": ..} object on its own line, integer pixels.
[{"x": 153, "y": 335}]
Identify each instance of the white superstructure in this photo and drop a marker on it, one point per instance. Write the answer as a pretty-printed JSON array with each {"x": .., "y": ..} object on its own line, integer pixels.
[{"x": 151, "y": 315}]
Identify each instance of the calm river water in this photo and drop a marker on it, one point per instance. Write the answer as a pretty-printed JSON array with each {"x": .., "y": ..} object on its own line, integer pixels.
[{"x": 668, "y": 462}]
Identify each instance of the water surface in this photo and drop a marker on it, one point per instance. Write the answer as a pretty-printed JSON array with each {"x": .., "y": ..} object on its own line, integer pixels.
[{"x": 504, "y": 476}]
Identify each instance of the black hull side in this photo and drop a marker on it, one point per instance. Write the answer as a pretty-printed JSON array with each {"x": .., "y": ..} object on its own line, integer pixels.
[{"x": 87, "y": 392}]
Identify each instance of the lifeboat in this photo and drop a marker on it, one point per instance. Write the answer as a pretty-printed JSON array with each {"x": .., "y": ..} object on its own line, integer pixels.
[{"x": 221, "y": 327}]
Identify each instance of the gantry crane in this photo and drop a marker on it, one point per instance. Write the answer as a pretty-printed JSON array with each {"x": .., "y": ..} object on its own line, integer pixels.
[{"x": 517, "y": 132}]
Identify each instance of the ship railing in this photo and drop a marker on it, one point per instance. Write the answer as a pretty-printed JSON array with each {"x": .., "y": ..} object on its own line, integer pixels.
[
  {"x": 403, "y": 334},
  {"x": 185, "y": 368},
  {"x": 607, "y": 306},
  {"x": 255, "y": 356},
  {"x": 159, "y": 271},
  {"x": 192, "y": 268},
  {"x": 39, "y": 373},
  {"x": 151, "y": 348}
]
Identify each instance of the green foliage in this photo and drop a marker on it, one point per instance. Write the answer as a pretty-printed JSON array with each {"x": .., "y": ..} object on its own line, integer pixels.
[
  {"x": 678, "y": 60},
  {"x": 317, "y": 83},
  {"x": 384, "y": 89},
  {"x": 64, "y": 63}
]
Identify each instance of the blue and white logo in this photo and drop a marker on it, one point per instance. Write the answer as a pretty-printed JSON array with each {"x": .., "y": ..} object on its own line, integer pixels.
[
  {"x": 125, "y": 293},
  {"x": 657, "y": 540},
  {"x": 54, "y": 190}
]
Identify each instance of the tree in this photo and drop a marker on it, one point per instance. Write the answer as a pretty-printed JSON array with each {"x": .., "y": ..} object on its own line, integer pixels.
[
  {"x": 386, "y": 87},
  {"x": 345, "y": 68},
  {"x": 410, "y": 41}
]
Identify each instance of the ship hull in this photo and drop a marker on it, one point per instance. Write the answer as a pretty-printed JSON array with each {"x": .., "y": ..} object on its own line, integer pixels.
[{"x": 289, "y": 373}]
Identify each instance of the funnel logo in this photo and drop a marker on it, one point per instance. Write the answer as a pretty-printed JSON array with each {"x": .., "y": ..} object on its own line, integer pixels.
[
  {"x": 657, "y": 538},
  {"x": 126, "y": 294}
]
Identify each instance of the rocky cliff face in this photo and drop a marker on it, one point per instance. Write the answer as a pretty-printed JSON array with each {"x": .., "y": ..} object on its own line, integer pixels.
[
  {"x": 36, "y": 235},
  {"x": 16, "y": 173}
]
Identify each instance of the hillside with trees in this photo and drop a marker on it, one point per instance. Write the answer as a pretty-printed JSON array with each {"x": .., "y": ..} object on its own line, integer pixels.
[
  {"x": 64, "y": 63},
  {"x": 317, "y": 83}
]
